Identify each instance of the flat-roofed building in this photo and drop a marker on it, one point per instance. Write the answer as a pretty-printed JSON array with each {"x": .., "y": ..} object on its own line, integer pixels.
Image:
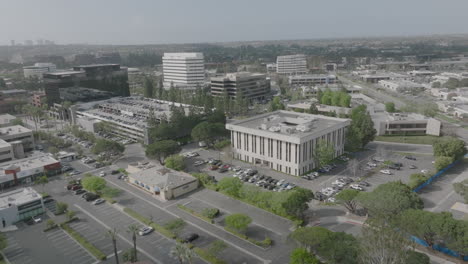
[
  {"x": 6, "y": 119},
  {"x": 183, "y": 70},
  {"x": 291, "y": 64},
  {"x": 38, "y": 69},
  {"x": 6, "y": 151},
  {"x": 401, "y": 85},
  {"x": 18, "y": 133},
  {"x": 162, "y": 182},
  {"x": 409, "y": 124},
  {"x": 19, "y": 205},
  {"x": 311, "y": 80},
  {"x": 285, "y": 141},
  {"x": 253, "y": 86}
]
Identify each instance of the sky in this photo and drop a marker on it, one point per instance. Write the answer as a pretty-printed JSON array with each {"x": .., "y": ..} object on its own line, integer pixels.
[{"x": 194, "y": 21}]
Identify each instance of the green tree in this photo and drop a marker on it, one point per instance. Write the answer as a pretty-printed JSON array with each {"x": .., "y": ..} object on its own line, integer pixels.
[
  {"x": 452, "y": 83},
  {"x": 389, "y": 200},
  {"x": 276, "y": 104},
  {"x": 457, "y": 239},
  {"x": 129, "y": 255},
  {"x": 462, "y": 189},
  {"x": 208, "y": 132},
  {"x": 175, "y": 162},
  {"x": 362, "y": 127},
  {"x": 436, "y": 85},
  {"x": 60, "y": 208},
  {"x": 324, "y": 153},
  {"x": 217, "y": 247},
  {"x": 347, "y": 198},
  {"x": 390, "y": 107},
  {"x": 162, "y": 149},
  {"x": 417, "y": 179},
  {"x": 230, "y": 185},
  {"x": 94, "y": 184},
  {"x": 302, "y": 256},
  {"x": 112, "y": 233},
  {"x": 313, "y": 109},
  {"x": 3, "y": 241},
  {"x": 133, "y": 229},
  {"x": 182, "y": 253},
  {"x": 148, "y": 88},
  {"x": 203, "y": 178},
  {"x": 449, "y": 147},
  {"x": 442, "y": 162},
  {"x": 297, "y": 203},
  {"x": 104, "y": 145},
  {"x": 2, "y": 83},
  {"x": 43, "y": 180},
  {"x": 414, "y": 257},
  {"x": 17, "y": 122},
  {"x": 70, "y": 215},
  {"x": 238, "y": 222}
]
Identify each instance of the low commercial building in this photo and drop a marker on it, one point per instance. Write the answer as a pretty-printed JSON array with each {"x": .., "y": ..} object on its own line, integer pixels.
[
  {"x": 19, "y": 205},
  {"x": 18, "y": 133},
  {"x": 24, "y": 171},
  {"x": 409, "y": 124},
  {"x": 285, "y": 141},
  {"x": 6, "y": 119},
  {"x": 38, "y": 69},
  {"x": 369, "y": 78},
  {"x": 252, "y": 86},
  {"x": 162, "y": 182},
  {"x": 6, "y": 151},
  {"x": 322, "y": 109},
  {"x": 312, "y": 80},
  {"x": 401, "y": 85}
]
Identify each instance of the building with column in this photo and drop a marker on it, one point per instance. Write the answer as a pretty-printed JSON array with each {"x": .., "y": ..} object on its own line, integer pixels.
[
  {"x": 183, "y": 70},
  {"x": 254, "y": 86},
  {"x": 285, "y": 141},
  {"x": 291, "y": 64}
]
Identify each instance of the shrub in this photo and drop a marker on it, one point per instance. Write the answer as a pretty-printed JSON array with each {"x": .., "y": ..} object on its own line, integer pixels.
[
  {"x": 175, "y": 225},
  {"x": 193, "y": 212},
  {"x": 129, "y": 255},
  {"x": 238, "y": 222},
  {"x": 205, "y": 255},
  {"x": 417, "y": 179},
  {"x": 442, "y": 162},
  {"x": 175, "y": 162},
  {"x": 61, "y": 208},
  {"x": 50, "y": 224},
  {"x": 222, "y": 144},
  {"x": 210, "y": 213}
]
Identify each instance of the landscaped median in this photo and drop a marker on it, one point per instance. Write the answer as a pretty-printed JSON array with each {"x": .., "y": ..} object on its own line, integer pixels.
[
  {"x": 83, "y": 242},
  {"x": 194, "y": 213},
  {"x": 148, "y": 222},
  {"x": 208, "y": 257}
]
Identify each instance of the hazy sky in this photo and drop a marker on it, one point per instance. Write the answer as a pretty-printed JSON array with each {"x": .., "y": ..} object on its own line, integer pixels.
[{"x": 186, "y": 21}]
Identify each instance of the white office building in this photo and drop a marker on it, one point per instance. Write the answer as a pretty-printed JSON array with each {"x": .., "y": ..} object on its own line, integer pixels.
[
  {"x": 38, "y": 69},
  {"x": 183, "y": 70},
  {"x": 291, "y": 64},
  {"x": 311, "y": 80},
  {"x": 284, "y": 140},
  {"x": 18, "y": 205}
]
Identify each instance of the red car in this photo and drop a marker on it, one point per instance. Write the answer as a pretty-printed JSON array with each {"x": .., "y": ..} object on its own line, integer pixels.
[
  {"x": 76, "y": 187},
  {"x": 213, "y": 167},
  {"x": 226, "y": 166}
]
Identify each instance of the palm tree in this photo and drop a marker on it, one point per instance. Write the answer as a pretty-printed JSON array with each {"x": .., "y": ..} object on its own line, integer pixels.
[
  {"x": 112, "y": 233},
  {"x": 134, "y": 229},
  {"x": 182, "y": 253}
]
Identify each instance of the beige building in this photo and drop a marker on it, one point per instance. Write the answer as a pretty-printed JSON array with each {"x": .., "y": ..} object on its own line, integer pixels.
[
  {"x": 291, "y": 64},
  {"x": 161, "y": 182},
  {"x": 6, "y": 151},
  {"x": 18, "y": 133},
  {"x": 284, "y": 140},
  {"x": 409, "y": 124}
]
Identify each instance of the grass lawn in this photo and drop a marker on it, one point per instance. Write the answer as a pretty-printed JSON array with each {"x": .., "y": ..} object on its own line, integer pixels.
[
  {"x": 427, "y": 140},
  {"x": 447, "y": 118}
]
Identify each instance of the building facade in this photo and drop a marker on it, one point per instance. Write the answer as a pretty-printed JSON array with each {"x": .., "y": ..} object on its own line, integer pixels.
[
  {"x": 285, "y": 141},
  {"x": 291, "y": 64},
  {"x": 252, "y": 86},
  {"x": 183, "y": 70},
  {"x": 311, "y": 80},
  {"x": 18, "y": 133},
  {"x": 19, "y": 205},
  {"x": 409, "y": 124},
  {"x": 38, "y": 69}
]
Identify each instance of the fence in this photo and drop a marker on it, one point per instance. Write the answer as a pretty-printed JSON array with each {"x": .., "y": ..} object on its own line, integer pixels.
[{"x": 435, "y": 176}]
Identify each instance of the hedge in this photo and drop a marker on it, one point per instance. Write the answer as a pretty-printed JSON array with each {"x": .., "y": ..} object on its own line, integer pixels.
[
  {"x": 264, "y": 243},
  {"x": 194, "y": 213},
  {"x": 148, "y": 222},
  {"x": 83, "y": 242},
  {"x": 205, "y": 255}
]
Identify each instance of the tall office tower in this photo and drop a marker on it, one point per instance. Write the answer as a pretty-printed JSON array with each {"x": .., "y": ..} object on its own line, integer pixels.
[
  {"x": 183, "y": 70},
  {"x": 252, "y": 86},
  {"x": 291, "y": 64}
]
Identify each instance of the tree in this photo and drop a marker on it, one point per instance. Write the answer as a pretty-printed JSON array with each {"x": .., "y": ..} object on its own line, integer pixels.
[
  {"x": 217, "y": 247},
  {"x": 457, "y": 240},
  {"x": 208, "y": 132},
  {"x": 347, "y": 198},
  {"x": 313, "y": 109},
  {"x": 452, "y": 83},
  {"x": 175, "y": 162},
  {"x": 297, "y": 203},
  {"x": 70, "y": 215},
  {"x": 324, "y": 153},
  {"x": 442, "y": 162},
  {"x": 462, "y": 189},
  {"x": 390, "y": 107},
  {"x": 94, "y": 184},
  {"x": 381, "y": 244},
  {"x": 436, "y": 85},
  {"x": 148, "y": 88},
  {"x": 104, "y": 145},
  {"x": 362, "y": 128},
  {"x": 17, "y": 122},
  {"x": 52, "y": 150},
  {"x": 449, "y": 147},
  {"x": 238, "y": 222},
  {"x": 112, "y": 233},
  {"x": 302, "y": 256},
  {"x": 230, "y": 185},
  {"x": 129, "y": 255},
  {"x": 162, "y": 149},
  {"x": 133, "y": 229},
  {"x": 182, "y": 253},
  {"x": 276, "y": 104},
  {"x": 61, "y": 208},
  {"x": 417, "y": 179},
  {"x": 389, "y": 200},
  {"x": 43, "y": 180},
  {"x": 415, "y": 257}
]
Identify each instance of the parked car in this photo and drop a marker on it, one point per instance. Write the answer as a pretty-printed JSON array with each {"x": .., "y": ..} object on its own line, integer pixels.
[
  {"x": 413, "y": 167},
  {"x": 36, "y": 219},
  {"x": 372, "y": 165},
  {"x": 115, "y": 172},
  {"x": 388, "y": 172},
  {"x": 424, "y": 171},
  {"x": 213, "y": 167},
  {"x": 102, "y": 174},
  {"x": 80, "y": 191},
  {"x": 222, "y": 169},
  {"x": 363, "y": 183},
  {"x": 378, "y": 159},
  {"x": 190, "y": 237},
  {"x": 75, "y": 172},
  {"x": 199, "y": 162},
  {"x": 76, "y": 187},
  {"x": 410, "y": 157},
  {"x": 145, "y": 230},
  {"x": 356, "y": 187}
]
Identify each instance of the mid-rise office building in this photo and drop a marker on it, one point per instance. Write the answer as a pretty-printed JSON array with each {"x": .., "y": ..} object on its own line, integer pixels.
[
  {"x": 38, "y": 69},
  {"x": 104, "y": 78},
  {"x": 6, "y": 120},
  {"x": 183, "y": 70},
  {"x": 291, "y": 64},
  {"x": 19, "y": 205},
  {"x": 252, "y": 86},
  {"x": 311, "y": 80},
  {"x": 285, "y": 141},
  {"x": 18, "y": 133}
]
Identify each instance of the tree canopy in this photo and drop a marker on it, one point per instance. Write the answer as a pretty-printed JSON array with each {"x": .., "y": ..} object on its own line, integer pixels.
[
  {"x": 390, "y": 107},
  {"x": 449, "y": 147},
  {"x": 161, "y": 149},
  {"x": 361, "y": 131},
  {"x": 302, "y": 256},
  {"x": 297, "y": 203},
  {"x": 94, "y": 184},
  {"x": 324, "y": 153},
  {"x": 347, "y": 198},
  {"x": 175, "y": 162},
  {"x": 104, "y": 145},
  {"x": 208, "y": 132},
  {"x": 238, "y": 222},
  {"x": 276, "y": 104}
]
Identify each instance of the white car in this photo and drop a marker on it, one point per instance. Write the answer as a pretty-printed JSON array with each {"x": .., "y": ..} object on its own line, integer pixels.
[
  {"x": 36, "y": 219},
  {"x": 331, "y": 200},
  {"x": 98, "y": 201},
  {"x": 370, "y": 164},
  {"x": 356, "y": 187},
  {"x": 378, "y": 159},
  {"x": 424, "y": 171},
  {"x": 145, "y": 230},
  {"x": 102, "y": 174},
  {"x": 388, "y": 172},
  {"x": 199, "y": 163}
]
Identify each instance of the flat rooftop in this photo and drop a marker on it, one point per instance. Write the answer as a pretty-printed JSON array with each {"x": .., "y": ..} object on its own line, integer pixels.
[
  {"x": 12, "y": 130},
  {"x": 5, "y": 119},
  {"x": 289, "y": 123},
  {"x": 4, "y": 144},
  {"x": 312, "y": 76},
  {"x": 162, "y": 177},
  {"x": 13, "y": 91},
  {"x": 18, "y": 197},
  {"x": 59, "y": 73},
  {"x": 28, "y": 163}
]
